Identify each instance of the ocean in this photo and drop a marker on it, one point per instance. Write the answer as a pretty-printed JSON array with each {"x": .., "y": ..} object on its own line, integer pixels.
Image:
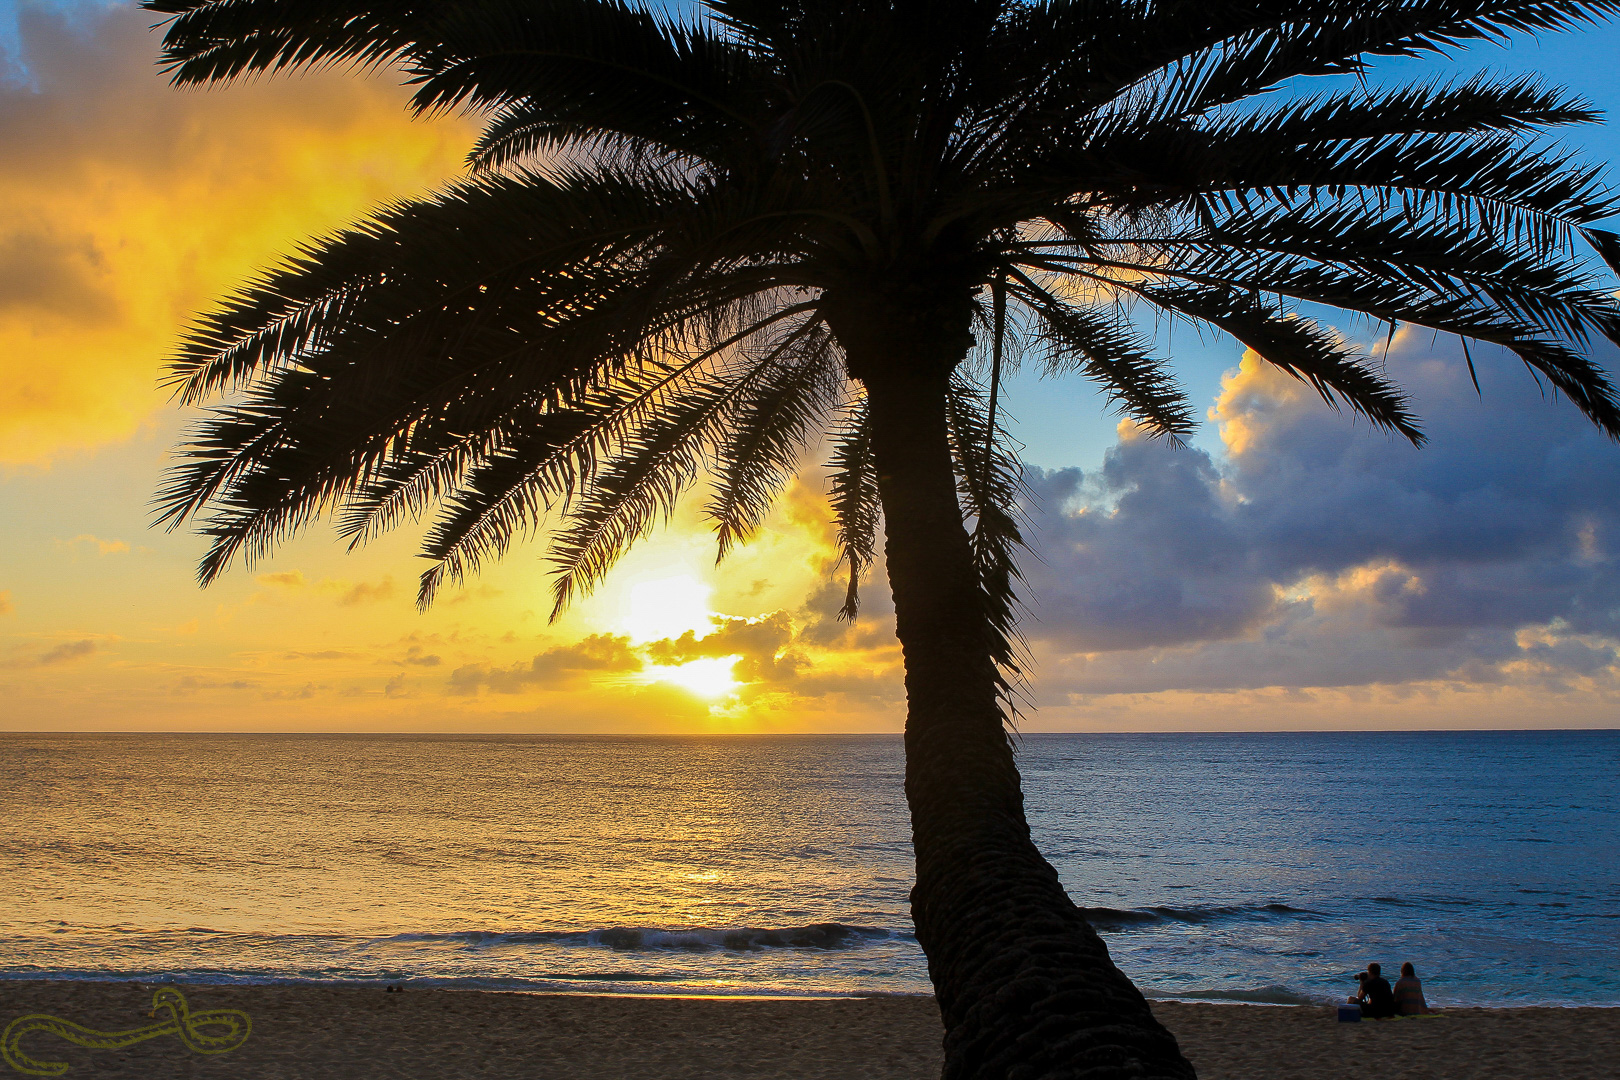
[{"x": 1223, "y": 867}]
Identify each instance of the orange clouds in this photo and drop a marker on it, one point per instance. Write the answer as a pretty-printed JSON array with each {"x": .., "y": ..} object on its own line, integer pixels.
[
  {"x": 103, "y": 547},
  {"x": 365, "y": 592},
  {"x": 348, "y": 594},
  {"x": 557, "y": 668},
  {"x": 131, "y": 204},
  {"x": 65, "y": 653},
  {"x": 1247, "y": 394}
]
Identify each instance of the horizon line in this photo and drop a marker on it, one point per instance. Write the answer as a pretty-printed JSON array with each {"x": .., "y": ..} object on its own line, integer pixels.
[{"x": 811, "y": 734}]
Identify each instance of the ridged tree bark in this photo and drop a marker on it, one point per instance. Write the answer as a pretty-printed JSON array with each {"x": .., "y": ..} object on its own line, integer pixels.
[{"x": 1026, "y": 988}]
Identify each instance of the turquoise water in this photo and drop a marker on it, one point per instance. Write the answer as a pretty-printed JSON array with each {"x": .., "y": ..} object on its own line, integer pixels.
[{"x": 1225, "y": 867}]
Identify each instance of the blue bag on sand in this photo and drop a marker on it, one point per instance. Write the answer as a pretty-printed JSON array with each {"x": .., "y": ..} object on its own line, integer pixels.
[{"x": 1350, "y": 1014}]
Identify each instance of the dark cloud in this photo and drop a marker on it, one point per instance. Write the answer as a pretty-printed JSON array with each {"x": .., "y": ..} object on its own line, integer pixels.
[
  {"x": 873, "y": 628},
  {"x": 1323, "y": 554},
  {"x": 366, "y": 593},
  {"x": 761, "y": 646},
  {"x": 67, "y": 652},
  {"x": 302, "y": 693},
  {"x": 1165, "y": 564},
  {"x": 553, "y": 668},
  {"x": 191, "y": 684},
  {"x": 64, "y": 276}
]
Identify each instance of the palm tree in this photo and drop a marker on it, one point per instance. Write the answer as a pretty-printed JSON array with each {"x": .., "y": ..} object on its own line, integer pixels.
[{"x": 693, "y": 247}]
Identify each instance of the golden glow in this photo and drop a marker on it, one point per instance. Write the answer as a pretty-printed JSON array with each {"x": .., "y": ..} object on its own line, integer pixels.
[
  {"x": 667, "y": 608},
  {"x": 709, "y": 678},
  {"x": 136, "y": 204},
  {"x": 132, "y": 205}
]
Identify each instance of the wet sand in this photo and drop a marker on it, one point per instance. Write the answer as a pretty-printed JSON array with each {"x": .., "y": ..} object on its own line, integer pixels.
[{"x": 321, "y": 1032}]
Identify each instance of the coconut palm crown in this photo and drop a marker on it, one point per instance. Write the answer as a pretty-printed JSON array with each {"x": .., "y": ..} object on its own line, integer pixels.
[{"x": 692, "y": 248}]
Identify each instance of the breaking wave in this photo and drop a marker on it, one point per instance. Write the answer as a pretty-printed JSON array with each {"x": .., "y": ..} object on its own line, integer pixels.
[
  {"x": 1264, "y": 995},
  {"x": 822, "y": 936},
  {"x": 1116, "y": 919}
]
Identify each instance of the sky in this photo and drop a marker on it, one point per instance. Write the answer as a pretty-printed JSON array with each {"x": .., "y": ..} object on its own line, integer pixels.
[{"x": 1289, "y": 569}]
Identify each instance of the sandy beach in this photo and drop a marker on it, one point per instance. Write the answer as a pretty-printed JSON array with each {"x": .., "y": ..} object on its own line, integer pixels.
[{"x": 314, "y": 1032}]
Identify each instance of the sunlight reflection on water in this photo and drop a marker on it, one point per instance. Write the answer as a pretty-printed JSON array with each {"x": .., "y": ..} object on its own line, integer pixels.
[{"x": 1240, "y": 865}]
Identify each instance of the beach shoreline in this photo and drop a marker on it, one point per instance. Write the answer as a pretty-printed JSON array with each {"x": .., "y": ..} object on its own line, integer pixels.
[{"x": 339, "y": 1031}]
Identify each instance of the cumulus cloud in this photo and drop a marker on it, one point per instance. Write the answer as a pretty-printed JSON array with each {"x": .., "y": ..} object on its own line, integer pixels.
[
  {"x": 1147, "y": 552},
  {"x": 67, "y": 652},
  {"x": 1317, "y": 553},
  {"x": 191, "y": 684},
  {"x": 300, "y": 693},
  {"x": 103, "y": 547},
  {"x": 365, "y": 592},
  {"x": 776, "y": 665},
  {"x": 552, "y": 669},
  {"x": 55, "y": 275},
  {"x": 346, "y": 593},
  {"x": 761, "y": 646}
]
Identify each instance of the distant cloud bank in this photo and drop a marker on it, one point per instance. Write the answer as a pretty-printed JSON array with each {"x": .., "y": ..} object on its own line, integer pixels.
[{"x": 1321, "y": 555}]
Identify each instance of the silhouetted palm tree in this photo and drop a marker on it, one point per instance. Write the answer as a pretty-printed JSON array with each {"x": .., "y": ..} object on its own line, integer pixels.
[{"x": 692, "y": 247}]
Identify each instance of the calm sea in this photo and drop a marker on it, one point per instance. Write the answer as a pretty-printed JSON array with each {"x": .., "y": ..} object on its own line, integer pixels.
[{"x": 1236, "y": 867}]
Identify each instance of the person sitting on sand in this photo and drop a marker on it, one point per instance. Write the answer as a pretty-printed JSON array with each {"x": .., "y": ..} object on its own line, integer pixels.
[
  {"x": 1376, "y": 999},
  {"x": 1409, "y": 994}
]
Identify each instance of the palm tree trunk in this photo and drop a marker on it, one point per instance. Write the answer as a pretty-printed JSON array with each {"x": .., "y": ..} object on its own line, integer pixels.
[{"x": 1025, "y": 987}]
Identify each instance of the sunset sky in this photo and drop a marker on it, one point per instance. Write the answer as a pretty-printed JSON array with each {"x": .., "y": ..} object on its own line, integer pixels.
[{"x": 1290, "y": 569}]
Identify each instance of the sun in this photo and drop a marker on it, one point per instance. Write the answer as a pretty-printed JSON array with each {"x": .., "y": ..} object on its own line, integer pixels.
[
  {"x": 707, "y": 678},
  {"x": 657, "y": 609},
  {"x": 666, "y": 607}
]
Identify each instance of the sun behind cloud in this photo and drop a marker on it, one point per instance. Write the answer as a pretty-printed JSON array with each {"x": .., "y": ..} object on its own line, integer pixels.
[
  {"x": 710, "y": 678},
  {"x": 665, "y": 608}
]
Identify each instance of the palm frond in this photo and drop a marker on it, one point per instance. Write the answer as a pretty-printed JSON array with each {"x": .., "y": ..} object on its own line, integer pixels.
[
  {"x": 1326, "y": 39},
  {"x": 654, "y": 463},
  {"x": 593, "y": 67},
  {"x": 1228, "y": 284},
  {"x": 772, "y": 429},
  {"x": 449, "y": 320},
  {"x": 1478, "y": 105},
  {"x": 991, "y": 488},
  {"x": 1106, "y": 349},
  {"x": 1301, "y": 347},
  {"x": 856, "y": 504},
  {"x": 497, "y": 248},
  {"x": 221, "y": 40}
]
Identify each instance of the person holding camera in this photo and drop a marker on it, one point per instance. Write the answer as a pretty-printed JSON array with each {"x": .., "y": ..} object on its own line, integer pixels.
[{"x": 1375, "y": 997}]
